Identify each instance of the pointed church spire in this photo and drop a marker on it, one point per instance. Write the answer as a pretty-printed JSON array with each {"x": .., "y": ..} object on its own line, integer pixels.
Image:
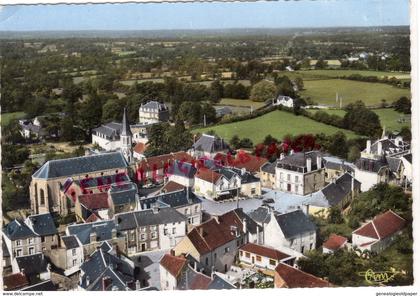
[{"x": 126, "y": 131}]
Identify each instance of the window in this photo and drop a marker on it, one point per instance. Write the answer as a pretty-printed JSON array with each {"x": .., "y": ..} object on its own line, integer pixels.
[
  {"x": 247, "y": 255},
  {"x": 73, "y": 252},
  {"x": 196, "y": 209},
  {"x": 30, "y": 241},
  {"x": 310, "y": 246},
  {"x": 31, "y": 250},
  {"x": 143, "y": 229},
  {"x": 186, "y": 211},
  {"x": 18, "y": 242},
  {"x": 153, "y": 235},
  {"x": 142, "y": 236},
  {"x": 296, "y": 179},
  {"x": 281, "y": 176},
  {"x": 153, "y": 228},
  {"x": 173, "y": 230},
  {"x": 167, "y": 284},
  {"x": 302, "y": 249},
  {"x": 273, "y": 262},
  {"x": 165, "y": 231},
  {"x": 207, "y": 261},
  {"x": 296, "y": 188},
  {"x": 18, "y": 252},
  {"x": 215, "y": 256},
  {"x": 253, "y": 191},
  {"x": 226, "y": 250},
  {"x": 288, "y": 177},
  {"x": 258, "y": 258},
  {"x": 43, "y": 239},
  {"x": 42, "y": 197},
  {"x": 241, "y": 253}
]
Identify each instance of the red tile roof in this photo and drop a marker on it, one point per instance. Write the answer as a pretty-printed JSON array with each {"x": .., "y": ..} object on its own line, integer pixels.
[
  {"x": 208, "y": 175},
  {"x": 140, "y": 148},
  {"x": 242, "y": 159},
  {"x": 264, "y": 251},
  {"x": 94, "y": 201},
  {"x": 335, "y": 242},
  {"x": 172, "y": 186},
  {"x": 173, "y": 264},
  {"x": 92, "y": 218},
  {"x": 162, "y": 161},
  {"x": 382, "y": 226},
  {"x": 295, "y": 278},
  {"x": 200, "y": 282},
  {"x": 215, "y": 232},
  {"x": 15, "y": 281}
]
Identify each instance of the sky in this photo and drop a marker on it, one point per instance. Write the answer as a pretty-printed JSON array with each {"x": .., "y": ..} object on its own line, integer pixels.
[{"x": 216, "y": 15}]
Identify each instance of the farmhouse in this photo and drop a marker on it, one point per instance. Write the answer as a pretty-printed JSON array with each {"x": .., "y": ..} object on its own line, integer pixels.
[{"x": 378, "y": 234}]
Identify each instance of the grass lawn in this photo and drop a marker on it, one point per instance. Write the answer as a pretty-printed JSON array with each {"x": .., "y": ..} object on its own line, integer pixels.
[
  {"x": 324, "y": 91},
  {"x": 240, "y": 103},
  {"x": 7, "y": 117},
  {"x": 276, "y": 123},
  {"x": 388, "y": 117}
]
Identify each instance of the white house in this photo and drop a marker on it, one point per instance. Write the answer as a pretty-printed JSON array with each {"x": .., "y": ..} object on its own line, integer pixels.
[
  {"x": 182, "y": 172},
  {"x": 72, "y": 255},
  {"x": 153, "y": 112},
  {"x": 217, "y": 184},
  {"x": 300, "y": 173},
  {"x": 170, "y": 270},
  {"x": 293, "y": 230},
  {"x": 378, "y": 234},
  {"x": 263, "y": 257},
  {"x": 283, "y": 101}
]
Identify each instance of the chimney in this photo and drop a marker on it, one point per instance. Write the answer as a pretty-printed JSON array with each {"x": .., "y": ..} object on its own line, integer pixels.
[
  {"x": 92, "y": 236},
  {"x": 281, "y": 156},
  {"x": 138, "y": 285},
  {"x": 368, "y": 146},
  {"x": 155, "y": 208},
  {"x": 200, "y": 230},
  {"x": 308, "y": 164},
  {"x": 379, "y": 148},
  {"x": 195, "y": 266},
  {"x": 318, "y": 162},
  {"x": 87, "y": 280},
  {"x": 212, "y": 272},
  {"x": 244, "y": 226},
  {"x": 172, "y": 252}
]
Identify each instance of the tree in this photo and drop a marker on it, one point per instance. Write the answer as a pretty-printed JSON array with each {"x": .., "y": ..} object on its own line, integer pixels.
[
  {"x": 338, "y": 145},
  {"x": 353, "y": 154},
  {"x": 112, "y": 110},
  {"x": 403, "y": 105},
  {"x": 335, "y": 216},
  {"x": 299, "y": 83},
  {"x": 406, "y": 133},
  {"x": 210, "y": 113},
  {"x": 360, "y": 119},
  {"x": 35, "y": 107},
  {"x": 235, "y": 142},
  {"x": 246, "y": 143},
  {"x": 321, "y": 64},
  {"x": 216, "y": 91},
  {"x": 263, "y": 91}
]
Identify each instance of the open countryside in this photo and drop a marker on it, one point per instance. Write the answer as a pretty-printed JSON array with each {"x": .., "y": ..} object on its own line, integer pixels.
[{"x": 276, "y": 123}]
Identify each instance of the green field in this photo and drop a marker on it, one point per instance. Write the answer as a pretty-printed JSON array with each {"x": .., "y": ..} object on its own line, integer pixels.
[
  {"x": 372, "y": 94},
  {"x": 340, "y": 73},
  {"x": 390, "y": 119},
  {"x": 7, "y": 117},
  {"x": 276, "y": 123}
]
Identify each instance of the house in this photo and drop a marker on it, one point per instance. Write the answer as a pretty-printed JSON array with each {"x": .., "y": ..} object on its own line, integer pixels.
[
  {"x": 286, "y": 276},
  {"x": 153, "y": 112},
  {"x": 123, "y": 198},
  {"x": 184, "y": 201},
  {"x": 263, "y": 257},
  {"x": 38, "y": 126},
  {"x": 47, "y": 182},
  {"x": 35, "y": 267},
  {"x": 92, "y": 207},
  {"x": 20, "y": 240},
  {"x": 6, "y": 262},
  {"x": 171, "y": 186},
  {"x": 339, "y": 193},
  {"x": 371, "y": 172},
  {"x": 217, "y": 184},
  {"x": 182, "y": 173},
  {"x": 293, "y": 230},
  {"x": 241, "y": 160},
  {"x": 283, "y": 101},
  {"x": 156, "y": 168},
  {"x": 209, "y": 146},
  {"x": 107, "y": 270},
  {"x": 151, "y": 229},
  {"x": 407, "y": 163},
  {"x": 214, "y": 243},
  {"x": 300, "y": 173},
  {"x": 377, "y": 234},
  {"x": 250, "y": 185},
  {"x": 44, "y": 226},
  {"x": 222, "y": 111},
  {"x": 334, "y": 243},
  {"x": 69, "y": 256},
  {"x": 15, "y": 281},
  {"x": 139, "y": 150},
  {"x": 93, "y": 234},
  {"x": 268, "y": 175},
  {"x": 177, "y": 273},
  {"x": 335, "y": 167}
]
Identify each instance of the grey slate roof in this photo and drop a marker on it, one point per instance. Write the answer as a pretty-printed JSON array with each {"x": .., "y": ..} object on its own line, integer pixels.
[
  {"x": 80, "y": 165},
  {"x": 246, "y": 177},
  {"x": 371, "y": 165},
  {"x": 18, "y": 230},
  {"x": 393, "y": 163},
  {"x": 223, "y": 111},
  {"x": 123, "y": 194},
  {"x": 211, "y": 144},
  {"x": 297, "y": 161},
  {"x": 388, "y": 146},
  {"x": 220, "y": 284},
  {"x": 182, "y": 169},
  {"x": 132, "y": 220},
  {"x": 43, "y": 224},
  {"x": 295, "y": 223},
  {"x": 335, "y": 163},
  {"x": 409, "y": 157},
  {"x": 269, "y": 167},
  {"x": 251, "y": 225},
  {"x": 261, "y": 215},
  {"x": 104, "y": 263},
  {"x": 172, "y": 199},
  {"x": 111, "y": 130},
  {"x": 155, "y": 105},
  {"x": 103, "y": 230},
  {"x": 70, "y": 242},
  {"x": 32, "y": 264},
  {"x": 335, "y": 192}
]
